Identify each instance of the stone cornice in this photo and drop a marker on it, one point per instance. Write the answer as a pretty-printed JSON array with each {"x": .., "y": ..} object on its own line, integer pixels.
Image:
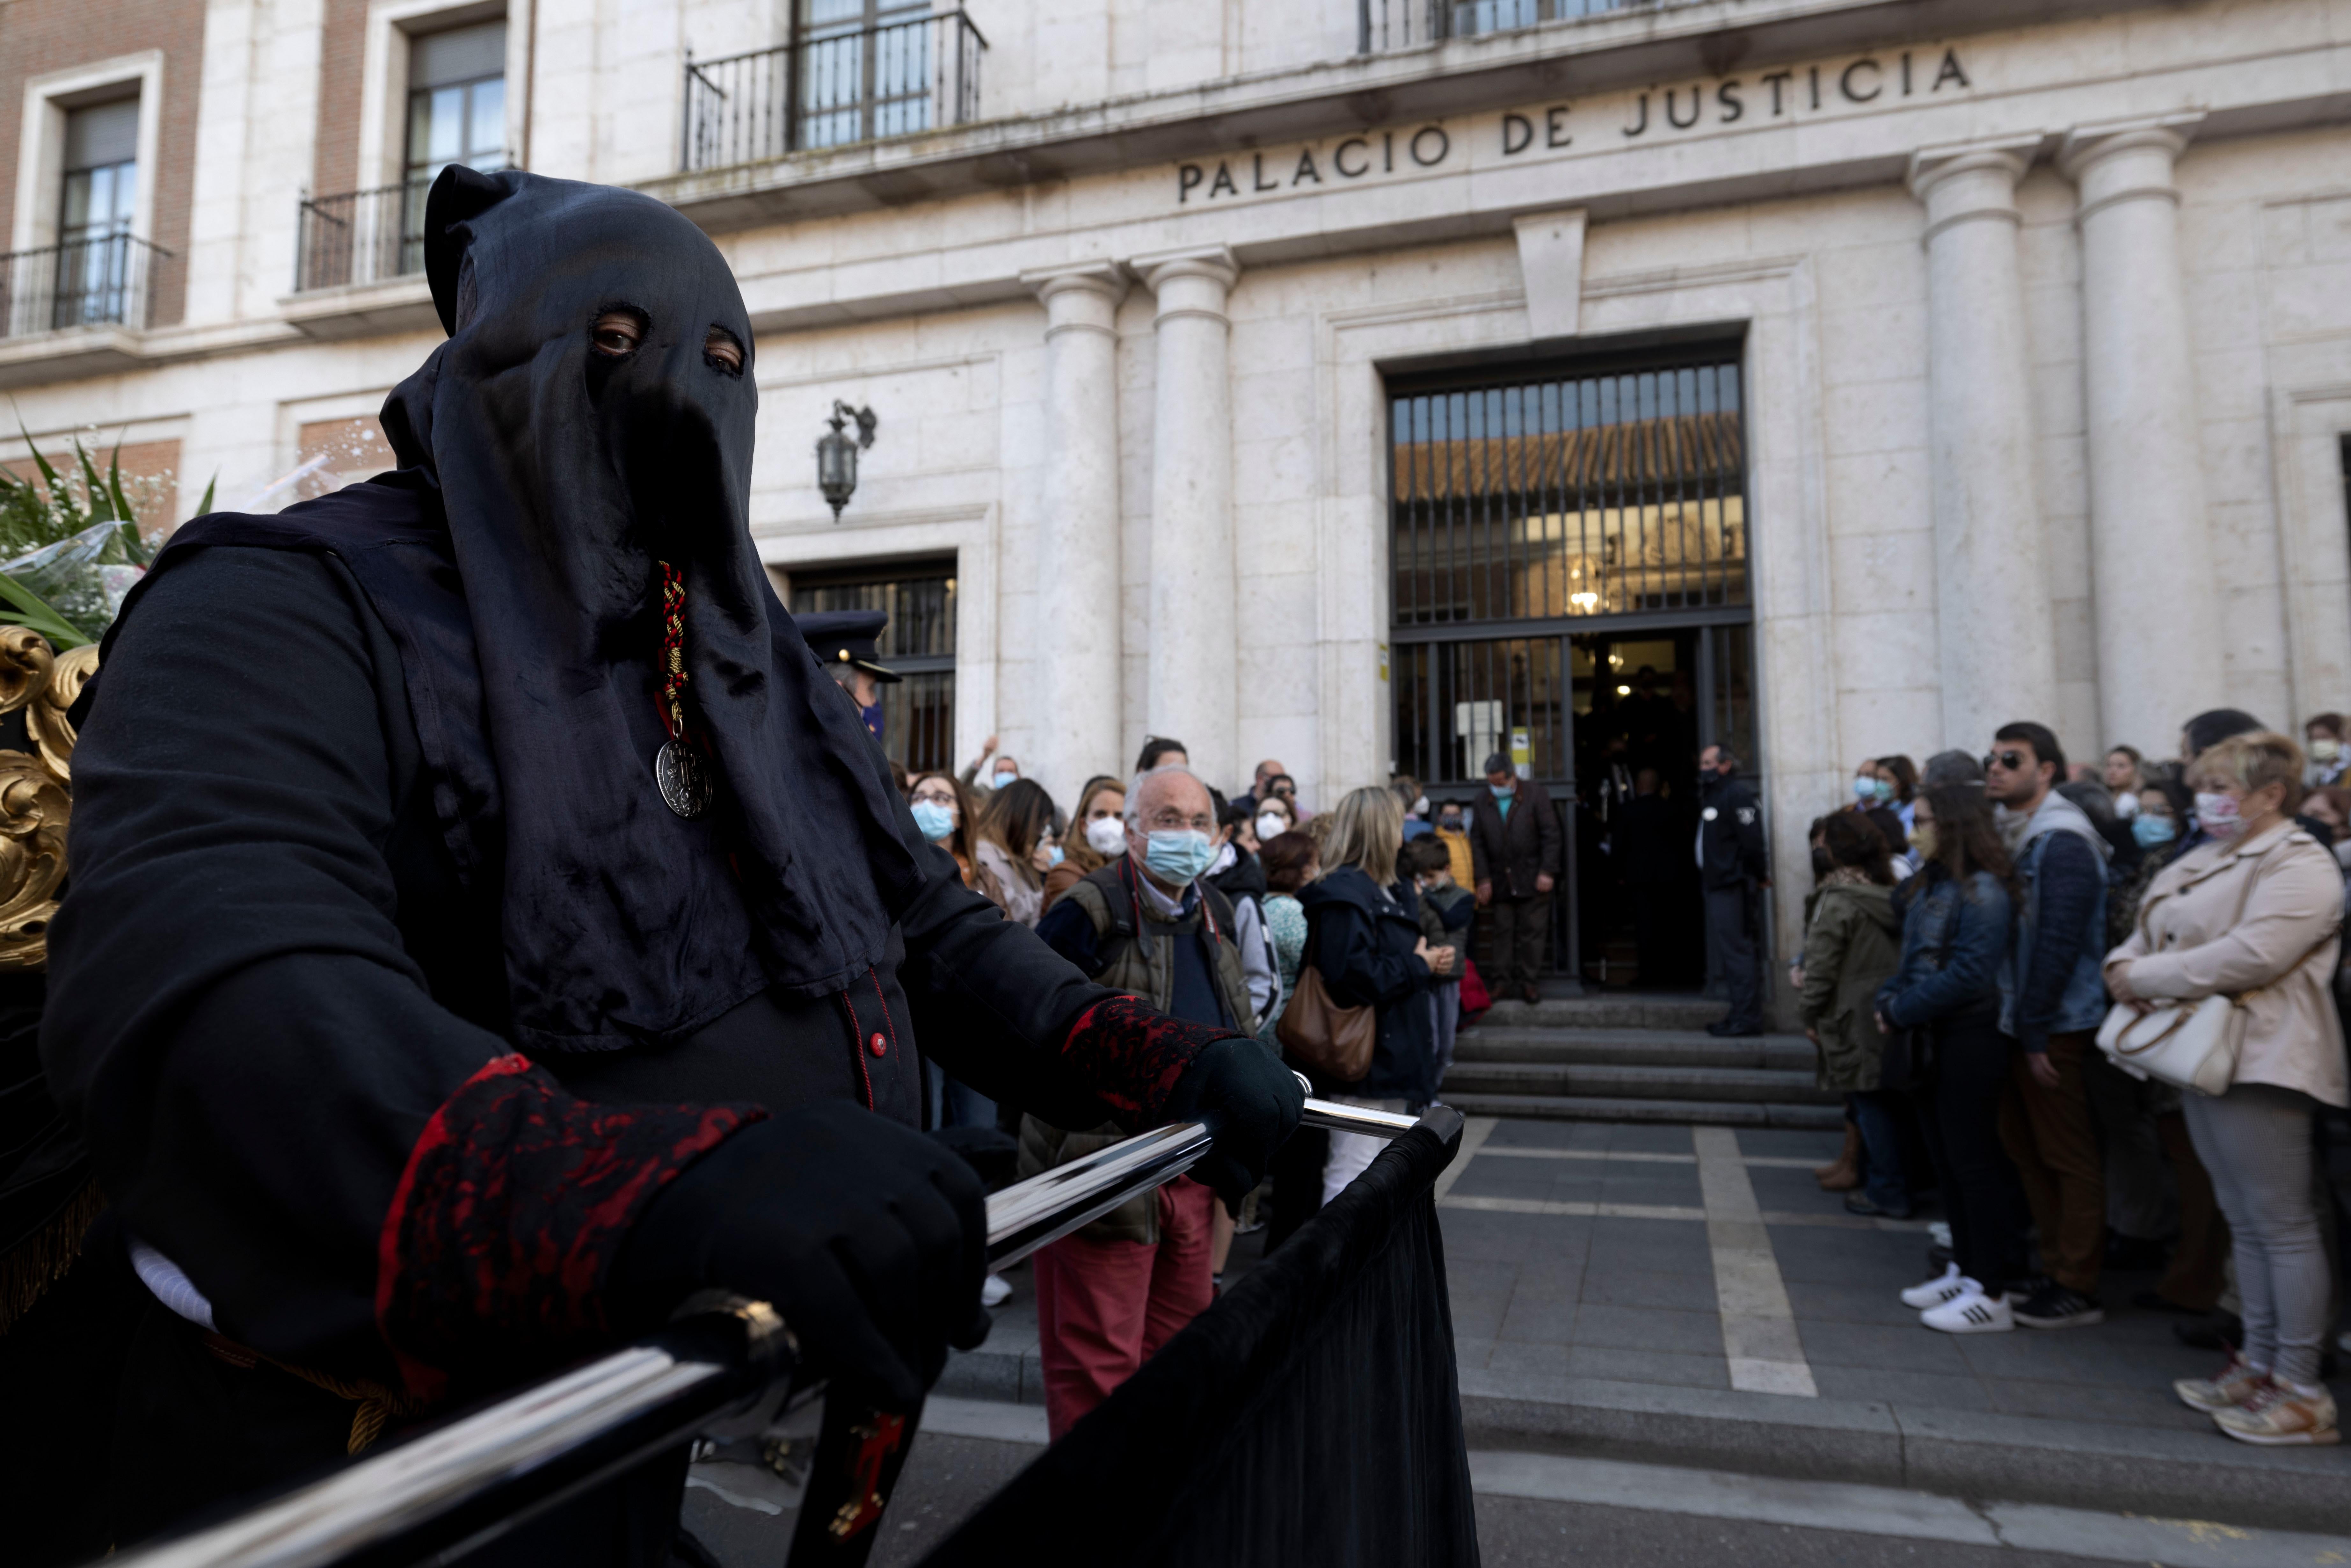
[{"x": 1579, "y": 56}]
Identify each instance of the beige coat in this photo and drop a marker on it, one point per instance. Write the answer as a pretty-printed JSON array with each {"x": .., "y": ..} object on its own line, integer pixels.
[{"x": 2190, "y": 943}]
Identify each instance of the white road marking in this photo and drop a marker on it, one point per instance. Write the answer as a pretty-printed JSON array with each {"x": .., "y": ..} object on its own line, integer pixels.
[
  {"x": 1475, "y": 1131},
  {"x": 1887, "y": 1511},
  {"x": 1752, "y": 1162},
  {"x": 1586, "y": 1210},
  {"x": 697, "y": 1477},
  {"x": 1759, "y": 1328},
  {"x": 1669, "y": 1211}
]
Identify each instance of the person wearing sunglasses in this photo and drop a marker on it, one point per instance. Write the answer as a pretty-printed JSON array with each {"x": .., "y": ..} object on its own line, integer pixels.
[{"x": 2051, "y": 1003}]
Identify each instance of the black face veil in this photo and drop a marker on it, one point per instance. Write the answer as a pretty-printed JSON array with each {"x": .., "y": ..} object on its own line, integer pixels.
[{"x": 567, "y": 477}]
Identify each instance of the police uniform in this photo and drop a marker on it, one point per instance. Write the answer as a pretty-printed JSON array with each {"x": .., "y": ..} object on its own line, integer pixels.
[
  {"x": 1732, "y": 867},
  {"x": 845, "y": 640}
]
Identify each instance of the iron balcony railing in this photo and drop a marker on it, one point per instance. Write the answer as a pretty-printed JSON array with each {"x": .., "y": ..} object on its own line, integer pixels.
[
  {"x": 831, "y": 88},
  {"x": 1407, "y": 24},
  {"x": 99, "y": 280},
  {"x": 360, "y": 236},
  {"x": 461, "y": 1483}
]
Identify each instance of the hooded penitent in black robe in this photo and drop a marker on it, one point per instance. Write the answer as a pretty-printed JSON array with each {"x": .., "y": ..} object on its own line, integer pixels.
[{"x": 389, "y": 991}]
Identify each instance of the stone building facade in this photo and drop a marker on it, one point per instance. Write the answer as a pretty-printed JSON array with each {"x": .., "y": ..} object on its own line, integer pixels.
[{"x": 1364, "y": 384}]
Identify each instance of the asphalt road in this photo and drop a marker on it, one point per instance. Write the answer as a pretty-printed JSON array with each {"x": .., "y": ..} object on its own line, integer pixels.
[{"x": 1539, "y": 1509}]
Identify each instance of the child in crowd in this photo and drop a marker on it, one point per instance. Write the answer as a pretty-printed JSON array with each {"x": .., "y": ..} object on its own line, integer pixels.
[{"x": 1446, "y": 907}]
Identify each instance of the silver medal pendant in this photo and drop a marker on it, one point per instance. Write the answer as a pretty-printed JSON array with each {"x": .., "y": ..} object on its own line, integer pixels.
[{"x": 683, "y": 778}]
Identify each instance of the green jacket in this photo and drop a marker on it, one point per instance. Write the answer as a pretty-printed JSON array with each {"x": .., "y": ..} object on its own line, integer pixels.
[
  {"x": 1140, "y": 963},
  {"x": 1852, "y": 947}
]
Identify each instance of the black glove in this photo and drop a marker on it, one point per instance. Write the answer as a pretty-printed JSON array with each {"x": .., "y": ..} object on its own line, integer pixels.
[
  {"x": 1249, "y": 1099},
  {"x": 870, "y": 1239}
]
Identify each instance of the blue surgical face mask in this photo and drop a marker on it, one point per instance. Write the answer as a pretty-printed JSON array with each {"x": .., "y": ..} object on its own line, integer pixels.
[
  {"x": 1864, "y": 789},
  {"x": 1883, "y": 790},
  {"x": 2149, "y": 830},
  {"x": 935, "y": 822},
  {"x": 1178, "y": 854},
  {"x": 1503, "y": 791},
  {"x": 1053, "y": 853}
]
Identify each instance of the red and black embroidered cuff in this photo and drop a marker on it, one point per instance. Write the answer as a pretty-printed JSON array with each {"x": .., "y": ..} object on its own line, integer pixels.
[
  {"x": 1130, "y": 1054},
  {"x": 502, "y": 1233}
]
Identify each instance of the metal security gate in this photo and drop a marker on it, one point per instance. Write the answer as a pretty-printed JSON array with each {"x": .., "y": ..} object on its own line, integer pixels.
[{"x": 1569, "y": 587}]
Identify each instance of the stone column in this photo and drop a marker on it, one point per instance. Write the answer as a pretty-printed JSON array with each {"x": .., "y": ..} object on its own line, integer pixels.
[
  {"x": 2160, "y": 658},
  {"x": 1077, "y": 632},
  {"x": 1996, "y": 636},
  {"x": 1193, "y": 680}
]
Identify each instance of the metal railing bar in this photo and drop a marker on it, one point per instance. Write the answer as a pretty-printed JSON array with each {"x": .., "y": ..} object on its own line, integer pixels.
[
  {"x": 458, "y": 1485},
  {"x": 465, "y": 1482}
]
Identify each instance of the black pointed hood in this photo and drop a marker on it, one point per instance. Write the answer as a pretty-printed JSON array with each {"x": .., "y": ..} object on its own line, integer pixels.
[{"x": 516, "y": 557}]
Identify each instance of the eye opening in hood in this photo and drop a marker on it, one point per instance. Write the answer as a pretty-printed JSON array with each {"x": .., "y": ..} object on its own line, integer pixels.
[
  {"x": 618, "y": 320},
  {"x": 719, "y": 344}
]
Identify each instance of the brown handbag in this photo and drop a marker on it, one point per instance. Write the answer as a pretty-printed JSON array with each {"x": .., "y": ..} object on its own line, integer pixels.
[{"x": 1328, "y": 1039}]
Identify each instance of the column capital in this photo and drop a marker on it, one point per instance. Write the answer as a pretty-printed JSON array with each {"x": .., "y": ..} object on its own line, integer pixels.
[
  {"x": 1936, "y": 166},
  {"x": 1103, "y": 278},
  {"x": 2124, "y": 161},
  {"x": 1213, "y": 262},
  {"x": 2085, "y": 145}
]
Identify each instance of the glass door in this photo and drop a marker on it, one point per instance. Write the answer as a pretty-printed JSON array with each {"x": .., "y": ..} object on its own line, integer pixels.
[{"x": 101, "y": 187}]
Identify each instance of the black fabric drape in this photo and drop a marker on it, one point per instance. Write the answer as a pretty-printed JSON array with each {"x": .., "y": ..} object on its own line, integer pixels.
[
  {"x": 1310, "y": 1415},
  {"x": 543, "y": 480}
]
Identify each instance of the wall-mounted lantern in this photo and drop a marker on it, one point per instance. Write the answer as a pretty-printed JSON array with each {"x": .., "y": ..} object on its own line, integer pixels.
[{"x": 836, "y": 453}]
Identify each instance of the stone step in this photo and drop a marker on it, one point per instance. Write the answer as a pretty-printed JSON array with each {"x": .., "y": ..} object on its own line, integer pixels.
[
  {"x": 1705, "y": 1113},
  {"x": 1595, "y": 1081},
  {"x": 1621, "y": 1009},
  {"x": 1633, "y": 1046}
]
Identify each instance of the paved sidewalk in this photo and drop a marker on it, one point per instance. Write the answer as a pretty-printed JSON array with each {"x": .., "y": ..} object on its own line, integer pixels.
[
  {"x": 1544, "y": 1508},
  {"x": 1690, "y": 1295}
]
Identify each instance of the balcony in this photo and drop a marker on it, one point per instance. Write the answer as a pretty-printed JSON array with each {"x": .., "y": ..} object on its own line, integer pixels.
[
  {"x": 358, "y": 264},
  {"x": 832, "y": 90},
  {"x": 103, "y": 280},
  {"x": 1384, "y": 24},
  {"x": 360, "y": 237}
]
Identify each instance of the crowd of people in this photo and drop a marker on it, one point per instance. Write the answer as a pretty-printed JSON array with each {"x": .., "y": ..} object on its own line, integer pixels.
[
  {"x": 1225, "y": 912},
  {"x": 2092, "y": 1012},
  {"x": 1972, "y": 930}
]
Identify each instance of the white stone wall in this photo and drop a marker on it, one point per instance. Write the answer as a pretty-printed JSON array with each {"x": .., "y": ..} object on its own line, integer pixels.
[{"x": 1800, "y": 235}]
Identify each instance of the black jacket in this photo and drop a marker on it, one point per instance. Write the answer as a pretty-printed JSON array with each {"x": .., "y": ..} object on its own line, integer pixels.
[
  {"x": 1363, "y": 944},
  {"x": 1511, "y": 851},
  {"x": 1731, "y": 835}
]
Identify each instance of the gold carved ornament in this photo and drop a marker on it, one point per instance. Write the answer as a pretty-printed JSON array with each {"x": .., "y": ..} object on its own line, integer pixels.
[{"x": 36, "y": 789}]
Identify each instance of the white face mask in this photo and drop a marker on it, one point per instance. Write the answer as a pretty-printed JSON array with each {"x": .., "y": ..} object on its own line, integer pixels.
[
  {"x": 1420, "y": 806},
  {"x": 1272, "y": 825},
  {"x": 1106, "y": 836}
]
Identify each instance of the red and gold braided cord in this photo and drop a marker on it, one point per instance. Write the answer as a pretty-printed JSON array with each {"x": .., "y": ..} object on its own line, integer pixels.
[{"x": 673, "y": 659}]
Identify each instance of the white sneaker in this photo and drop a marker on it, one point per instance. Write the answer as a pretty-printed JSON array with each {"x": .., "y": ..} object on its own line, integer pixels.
[
  {"x": 996, "y": 1291},
  {"x": 1939, "y": 1232},
  {"x": 1950, "y": 1283},
  {"x": 1974, "y": 1312}
]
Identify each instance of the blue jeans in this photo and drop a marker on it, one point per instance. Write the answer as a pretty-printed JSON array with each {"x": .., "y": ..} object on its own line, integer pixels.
[
  {"x": 1883, "y": 1178},
  {"x": 954, "y": 1104}
]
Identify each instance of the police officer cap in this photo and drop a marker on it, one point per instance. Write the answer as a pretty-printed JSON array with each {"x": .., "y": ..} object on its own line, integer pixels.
[{"x": 848, "y": 637}]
